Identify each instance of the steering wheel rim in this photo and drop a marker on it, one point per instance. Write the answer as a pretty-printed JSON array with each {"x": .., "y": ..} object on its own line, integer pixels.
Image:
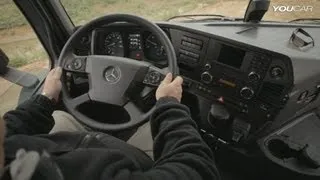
[{"x": 96, "y": 63}]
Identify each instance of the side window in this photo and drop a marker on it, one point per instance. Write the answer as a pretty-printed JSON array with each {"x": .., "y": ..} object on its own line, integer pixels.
[{"x": 24, "y": 50}]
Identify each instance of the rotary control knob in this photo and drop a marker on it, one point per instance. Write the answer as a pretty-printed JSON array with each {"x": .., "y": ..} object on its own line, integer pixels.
[
  {"x": 253, "y": 76},
  {"x": 277, "y": 72},
  {"x": 206, "y": 77},
  {"x": 247, "y": 93}
]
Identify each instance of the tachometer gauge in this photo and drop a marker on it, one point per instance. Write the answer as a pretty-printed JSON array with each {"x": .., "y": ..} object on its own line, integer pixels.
[
  {"x": 113, "y": 44},
  {"x": 153, "y": 49}
]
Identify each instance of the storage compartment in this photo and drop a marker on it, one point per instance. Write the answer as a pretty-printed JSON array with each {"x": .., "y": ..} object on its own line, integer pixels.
[
  {"x": 281, "y": 150},
  {"x": 296, "y": 147}
]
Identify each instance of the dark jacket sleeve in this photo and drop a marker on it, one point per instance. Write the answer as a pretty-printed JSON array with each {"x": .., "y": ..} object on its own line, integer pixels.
[
  {"x": 179, "y": 150},
  {"x": 34, "y": 116}
]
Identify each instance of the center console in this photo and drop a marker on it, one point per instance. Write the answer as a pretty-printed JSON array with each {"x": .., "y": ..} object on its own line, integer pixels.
[{"x": 247, "y": 85}]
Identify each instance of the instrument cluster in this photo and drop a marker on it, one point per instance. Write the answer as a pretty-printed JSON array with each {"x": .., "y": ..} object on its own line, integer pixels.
[{"x": 135, "y": 44}]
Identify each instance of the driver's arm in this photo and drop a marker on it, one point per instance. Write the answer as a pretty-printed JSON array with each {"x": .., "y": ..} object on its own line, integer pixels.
[
  {"x": 35, "y": 115},
  {"x": 179, "y": 150}
]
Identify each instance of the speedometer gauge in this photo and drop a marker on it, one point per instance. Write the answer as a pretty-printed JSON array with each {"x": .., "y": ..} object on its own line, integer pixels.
[
  {"x": 113, "y": 44},
  {"x": 154, "y": 50}
]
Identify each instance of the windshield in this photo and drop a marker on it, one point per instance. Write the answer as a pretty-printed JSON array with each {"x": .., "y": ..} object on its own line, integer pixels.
[{"x": 81, "y": 11}]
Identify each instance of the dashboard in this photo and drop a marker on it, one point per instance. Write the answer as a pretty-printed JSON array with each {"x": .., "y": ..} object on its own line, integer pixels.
[
  {"x": 250, "y": 80},
  {"x": 251, "y": 83},
  {"x": 232, "y": 70}
]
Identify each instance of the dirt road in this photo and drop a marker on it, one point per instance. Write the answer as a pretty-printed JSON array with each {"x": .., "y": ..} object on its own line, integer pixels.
[{"x": 17, "y": 34}]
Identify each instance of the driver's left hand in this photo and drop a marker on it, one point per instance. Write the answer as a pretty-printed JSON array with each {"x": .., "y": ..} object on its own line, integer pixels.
[{"x": 52, "y": 86}]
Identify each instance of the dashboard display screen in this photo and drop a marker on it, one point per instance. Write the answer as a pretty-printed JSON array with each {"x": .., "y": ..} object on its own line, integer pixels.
[
  {"x": 231, "y": 56},
  {"x": 135, "y": 41}
]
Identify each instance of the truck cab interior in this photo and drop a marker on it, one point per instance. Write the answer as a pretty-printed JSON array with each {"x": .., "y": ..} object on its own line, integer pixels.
[{"x": 252, "y": 86}]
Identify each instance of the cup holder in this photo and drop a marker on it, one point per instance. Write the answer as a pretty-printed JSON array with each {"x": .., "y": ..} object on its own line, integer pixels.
[{"x": 281, "y": 149}]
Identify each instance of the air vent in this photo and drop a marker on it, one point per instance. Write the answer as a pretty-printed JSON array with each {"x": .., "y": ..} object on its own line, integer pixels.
[{"x": 271, "y": 93}]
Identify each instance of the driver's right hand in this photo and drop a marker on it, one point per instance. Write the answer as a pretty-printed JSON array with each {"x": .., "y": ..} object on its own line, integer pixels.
[{"x": 170, "y": 87}]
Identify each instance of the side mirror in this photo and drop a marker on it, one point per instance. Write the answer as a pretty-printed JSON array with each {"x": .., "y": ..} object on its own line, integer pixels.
[
  {"x": 16, "y": 76},
  {"x": 256, "y": 10},
  {"x": 4, "y": 60}
]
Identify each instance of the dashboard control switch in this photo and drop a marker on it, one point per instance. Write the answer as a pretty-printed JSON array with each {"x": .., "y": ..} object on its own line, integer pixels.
[
  {"x": 153, "y": 78},
  {"x": 277, "y": 72},
  {"x": 186, "y": 83},
  {"x": 77, "y": 64},
  {"x": 240, "y": 129},
  {"x": 247, "y": 93},
  {"x": 253, "y": 76},
  {"x": 207, "y": 66},
  {"x": 206, "y": 77}
]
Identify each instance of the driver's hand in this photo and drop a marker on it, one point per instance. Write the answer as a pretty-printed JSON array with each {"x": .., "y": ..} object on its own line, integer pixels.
[
  {"x": 169, "y": 88},
  {"x": 52, "y": 85}
]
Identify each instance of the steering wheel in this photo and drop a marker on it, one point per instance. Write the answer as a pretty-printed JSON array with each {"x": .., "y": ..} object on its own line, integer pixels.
[{"x": 112, "y": 79}]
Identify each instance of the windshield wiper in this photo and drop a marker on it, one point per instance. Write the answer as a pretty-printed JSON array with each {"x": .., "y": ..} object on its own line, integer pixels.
[
  {"x": 306, "y": 19},
  {"x": 211, "y": 17}
]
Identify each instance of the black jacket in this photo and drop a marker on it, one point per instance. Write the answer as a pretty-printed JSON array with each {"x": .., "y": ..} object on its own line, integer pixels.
[{"x": 179, "y": 151}]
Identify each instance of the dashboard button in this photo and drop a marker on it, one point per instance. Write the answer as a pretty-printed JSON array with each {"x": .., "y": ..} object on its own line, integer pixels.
[
  {"x": 253, "y": 76},
  {"x": 186, "y": 84},
  {"x": 194, "y": 55},
  {"x": 183, "y": 57},
  {"x": 206, "y": 77},
  {"x": 193, "y": 46},
  {"x": 77, "y": 64},
  {"x": 199, "y": 42},
  {"x": 247, "y": 93},
  {"x": 153, "y": 78},
  {"x": 277, "y": 72},
  {"x": 184, "y": 43},
  {"x": 207, "y": 66},
  {"x": 197, "y": 47},
  {"x": 188, "y": 59},
  {"x": 194, "y": 41}
]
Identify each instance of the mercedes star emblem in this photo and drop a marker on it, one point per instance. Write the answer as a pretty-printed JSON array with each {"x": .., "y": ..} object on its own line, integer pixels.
[{"x": 112, "y": 74}]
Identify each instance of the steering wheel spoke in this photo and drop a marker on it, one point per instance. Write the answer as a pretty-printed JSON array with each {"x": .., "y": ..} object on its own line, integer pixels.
[
  {"x": 133, "y": 110},
  {"x": 75, "y": 102},
  {"x": 135, "y": 113},
  {"x": 75, "y": 63}
]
